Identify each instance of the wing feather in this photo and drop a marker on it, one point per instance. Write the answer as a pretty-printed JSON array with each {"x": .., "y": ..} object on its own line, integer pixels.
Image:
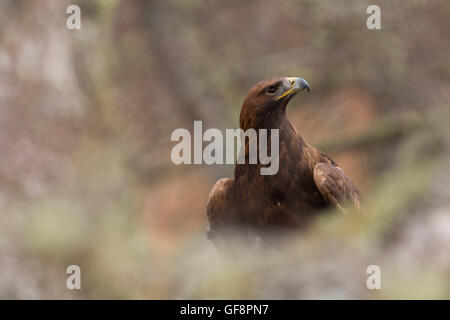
[
  {"x": 335, "y": 186},
  {"x": 218, "y": 208}
]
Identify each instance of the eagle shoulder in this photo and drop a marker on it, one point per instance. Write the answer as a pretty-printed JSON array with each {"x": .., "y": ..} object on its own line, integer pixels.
[
  {"x": 335, "y": 186},
  {"x": 218, "y": 207}
]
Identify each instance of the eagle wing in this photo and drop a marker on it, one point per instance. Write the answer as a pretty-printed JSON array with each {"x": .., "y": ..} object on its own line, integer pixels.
[
  {"x": 335, "y": 186},
  {"x": 218, "y": 208}
]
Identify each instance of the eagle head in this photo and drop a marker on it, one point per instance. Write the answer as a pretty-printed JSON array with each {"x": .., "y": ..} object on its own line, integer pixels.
[{"x": 268, "y": 99}]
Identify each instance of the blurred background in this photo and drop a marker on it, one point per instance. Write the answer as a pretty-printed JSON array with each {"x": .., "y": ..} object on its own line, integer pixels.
[{"x": 85, "y": 123}]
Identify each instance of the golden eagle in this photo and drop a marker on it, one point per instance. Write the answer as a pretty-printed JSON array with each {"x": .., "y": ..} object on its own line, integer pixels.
[{"x": 308, "y": 181}]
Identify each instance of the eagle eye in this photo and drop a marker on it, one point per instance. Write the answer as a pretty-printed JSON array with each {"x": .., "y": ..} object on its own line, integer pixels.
[{"x": 271, "y": 90}]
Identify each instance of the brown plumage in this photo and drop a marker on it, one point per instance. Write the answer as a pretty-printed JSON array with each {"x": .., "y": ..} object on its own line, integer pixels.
[{"x": 307, "y": 181}]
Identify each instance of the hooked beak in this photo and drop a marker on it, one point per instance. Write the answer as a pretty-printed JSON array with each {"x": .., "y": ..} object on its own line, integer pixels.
[{"x": 297, "y": 85}]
